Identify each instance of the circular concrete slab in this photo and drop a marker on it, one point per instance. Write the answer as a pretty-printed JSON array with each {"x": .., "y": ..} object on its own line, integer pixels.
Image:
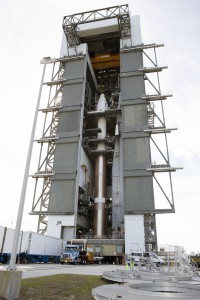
[{"x": 147, "y": 291}]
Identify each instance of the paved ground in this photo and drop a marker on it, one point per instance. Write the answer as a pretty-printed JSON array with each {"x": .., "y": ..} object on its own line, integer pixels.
[
  {"x": 120, "y": 291},
  {"x": 36, "y": 270}
]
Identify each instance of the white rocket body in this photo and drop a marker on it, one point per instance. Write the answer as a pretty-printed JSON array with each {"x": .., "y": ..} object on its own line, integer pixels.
[{"x": 100, "y": 173}]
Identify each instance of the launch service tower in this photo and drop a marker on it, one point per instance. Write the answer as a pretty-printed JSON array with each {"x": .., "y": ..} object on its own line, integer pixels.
[{"x": 100, "y": 161}]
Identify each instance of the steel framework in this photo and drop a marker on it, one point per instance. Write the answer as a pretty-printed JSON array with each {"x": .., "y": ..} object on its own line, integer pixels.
[
  {"x": 46, "y": 156},
  {"x": 49, "y": 136},
  {"x": 47, "y": 142},
  {"x": 70, "y": 23},
  {"x": 160, "y": 127},
  {"x": 156, "y": 120},
  {"x": 156, "y": 125}
]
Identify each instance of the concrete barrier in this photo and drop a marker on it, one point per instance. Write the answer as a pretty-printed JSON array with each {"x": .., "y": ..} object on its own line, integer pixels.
[{"x": 10, "y": 284}]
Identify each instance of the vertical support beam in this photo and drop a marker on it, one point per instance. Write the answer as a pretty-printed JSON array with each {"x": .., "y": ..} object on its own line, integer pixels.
[{"x": 12, "y": 265}]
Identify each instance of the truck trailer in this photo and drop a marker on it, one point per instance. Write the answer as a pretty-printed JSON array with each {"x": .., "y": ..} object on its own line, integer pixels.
[{"x": 32, "y": 248}]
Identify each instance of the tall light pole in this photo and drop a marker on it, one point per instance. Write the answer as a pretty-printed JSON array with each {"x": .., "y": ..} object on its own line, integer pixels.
[{"x": 12, "y": 264}]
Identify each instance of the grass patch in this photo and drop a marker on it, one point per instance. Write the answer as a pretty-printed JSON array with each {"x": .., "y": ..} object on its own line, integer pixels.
[{"x": 60, "y": 287}]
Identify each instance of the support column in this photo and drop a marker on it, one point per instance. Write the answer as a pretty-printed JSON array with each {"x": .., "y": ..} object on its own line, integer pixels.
[{"x": 10, "y": 284}]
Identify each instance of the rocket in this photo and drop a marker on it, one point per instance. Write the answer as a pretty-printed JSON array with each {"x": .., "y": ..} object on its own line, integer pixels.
[{"x": 100, "y": 172}]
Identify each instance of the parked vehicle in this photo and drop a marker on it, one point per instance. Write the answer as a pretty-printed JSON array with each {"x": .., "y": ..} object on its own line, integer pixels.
[
  {"x": 195, "y": 259},
  {"x": 77, "y": 253},
  {"x": 32, "y": 248},
  {"x": 74, "y": 254},
  {"x": 137, "y": 257},
  {"x": 154, "y": 258}
]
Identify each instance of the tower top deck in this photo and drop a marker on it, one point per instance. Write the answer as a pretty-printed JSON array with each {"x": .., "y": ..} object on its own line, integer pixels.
[{"x": 120, "y": 13}]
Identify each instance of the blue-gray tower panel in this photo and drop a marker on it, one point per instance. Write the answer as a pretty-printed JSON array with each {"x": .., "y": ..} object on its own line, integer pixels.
[
  {"x": 137, "y": 182},
  {"x": 64, "y": 183}
]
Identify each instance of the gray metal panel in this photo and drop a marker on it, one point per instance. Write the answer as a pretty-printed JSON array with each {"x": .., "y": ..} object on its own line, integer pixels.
[
  {"x": 65, "y": 176},
  {"x": 138, "y": 183},
  {"x": 136, "y": 172},
  {"x": 68, "y": 138},
  {"x": 136, "y": 153},
  {"x": 134, "y": 134},
  {"x": 67, "y": 233},
  {"x": 74, "y": 69},
  {"x": 70, "y": 108},
  {"x": 68, "y": 121},
  {"x": 71, "y": 80},
  {"x": 132, "y": 87},
  {"x": 130, "y": 74},
  {"x": 72, "y": 94},
  {"x": 134, "y": 116},
  {"x": 62, "y": 196},
  {"x": 117, "y": 194},
  {"x": 66, "y": 158},
  {"x": 67, "y": 135},
  {"x": 64, "y": 186},
  {"x": 131, "y": 61},
  {"x": 138, "y": 193},
  {"x": 133, "y": 101}
]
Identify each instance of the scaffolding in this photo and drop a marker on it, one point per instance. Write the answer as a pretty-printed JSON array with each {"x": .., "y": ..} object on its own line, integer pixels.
[
  {"x": 47, "y": 147},
  {"x": 71, "y": 23}
]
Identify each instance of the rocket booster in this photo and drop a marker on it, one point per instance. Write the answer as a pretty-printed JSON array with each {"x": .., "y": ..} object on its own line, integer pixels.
[{"x": 100, "y": 173}]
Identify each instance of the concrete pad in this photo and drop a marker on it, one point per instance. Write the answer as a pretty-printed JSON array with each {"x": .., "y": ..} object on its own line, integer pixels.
[
  {"x": 147, "y": 291},
  {"x": 10, "y": 284}
]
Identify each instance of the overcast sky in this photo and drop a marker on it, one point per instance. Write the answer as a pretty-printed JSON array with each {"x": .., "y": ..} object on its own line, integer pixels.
[{"x": 31, "y": 30}]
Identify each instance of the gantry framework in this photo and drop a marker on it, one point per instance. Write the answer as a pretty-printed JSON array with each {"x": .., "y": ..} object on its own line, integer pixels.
[
  {"x": 121, "y": 13},
  {"x": 156, "y": 126},
  {"x": 156, "y": 120},
  {"x": 47, "y": 147}
]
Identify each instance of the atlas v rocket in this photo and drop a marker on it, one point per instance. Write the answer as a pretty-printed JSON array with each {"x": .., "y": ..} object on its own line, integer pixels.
[{"x": 100, "y": 172}]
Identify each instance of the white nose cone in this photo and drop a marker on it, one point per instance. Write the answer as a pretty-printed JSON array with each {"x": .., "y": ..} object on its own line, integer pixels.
[
  {"x": 117, "y": 129},
  {"x": 102, "y": 104}
]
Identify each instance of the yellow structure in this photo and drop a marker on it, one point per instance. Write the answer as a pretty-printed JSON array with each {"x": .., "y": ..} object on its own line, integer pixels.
[{"x": 105, "y": 61}]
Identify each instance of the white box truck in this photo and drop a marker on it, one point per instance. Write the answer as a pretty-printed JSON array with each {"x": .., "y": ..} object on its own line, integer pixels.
[{"x": 32, "y": 248}]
